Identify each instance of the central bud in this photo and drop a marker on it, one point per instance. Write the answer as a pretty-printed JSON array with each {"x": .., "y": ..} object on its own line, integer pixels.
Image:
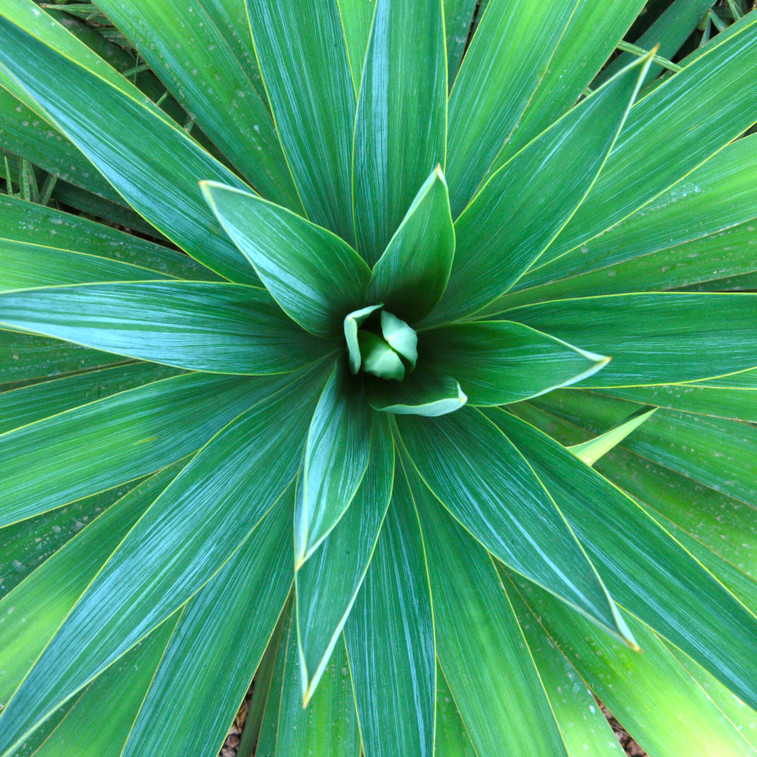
[{"x": 379, "y": 343}]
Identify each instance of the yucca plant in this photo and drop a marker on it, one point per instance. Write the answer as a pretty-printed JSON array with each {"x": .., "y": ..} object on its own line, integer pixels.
[{"x": 306, "y": 420}]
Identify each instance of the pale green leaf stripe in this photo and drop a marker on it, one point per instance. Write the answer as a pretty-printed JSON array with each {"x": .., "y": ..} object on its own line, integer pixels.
[
  {"x": 357, "y": 18},
  {"x": 401, "y": 121},
  {"x": 29, "y": 404},
  {"x": 639, "y": 689},
  {"x": 485, "y": 482},
  {"x": 327, "y": 583},
  {"x": 216, "y": 658},
  {"x": 654, "y": 338},
  {"x": 213, "y": 327},
  {"x": 26, "y": 222},
  {"x": 108, "y": 442},
  {"x": 40, "y": 603},
  {"x": 499, "y": 362},
  {"x": 315, "y": 276},
  {"x": 301, "y": 52},
  {"x": 653, "y": 576},
  {"x": 521, "y": 209},
  {"x": 507, "y": 58},
  {"x": 156, "y": 170},
  {"x": 390, "y": 639},
  {"x": 480, "y": 645},
  {"x": 197, "y": 62},
  {"x": 411, "y": 275},
  {"x": 716, "y": 95},
  {"x": 178, "y": 545}
]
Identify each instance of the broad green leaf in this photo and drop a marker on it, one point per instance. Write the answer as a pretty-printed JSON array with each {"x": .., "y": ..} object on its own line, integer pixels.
[
  {"x": 653, "y": 153},
  {"x": 498, "y": 362},
  {"x": 156, "y": 170},
  {"x": 302, "y": 56},
  {"x": 451, "y": 738},
  {"x": 490, "y": 489},
  {"x": 589, "y": 452},
  {"x": 114, "y": 440},
  {"x": 654, "y": 338},
  {"x": 336, "y": 457},
  {"x": 411, "y": 275},
  {"x": 180, "y": 323},
  {"x": 41, "y": 602},
  {"x": 649, "y": 692},
  {"x": 652, "y": 576},
  {"x": 480, "y": 645},
  {"x": 315, "y": 276},
  {"x": 424, "y": 392},
  {"x": 458, "y": 18},
  {"x": 507, "y": 59},
  {"x": 178, "y": 545},
  {"x": 521, "y": 209},
  {"x": 198, "y": 62},
  {"x": 357, "y": 18},
  {"x": 328, "y": 582},
  {"x": 216, "y": 658},
  {"x": 100, "y": 721},
  {"x": 390, "y": 639},
  {"x": 400, "y": 127}
]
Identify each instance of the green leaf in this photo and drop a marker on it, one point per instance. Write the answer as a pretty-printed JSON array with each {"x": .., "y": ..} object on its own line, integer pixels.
[
  {"x": 422, "y": 393},
  {"x": 458, "y": 17},
  {"x": 495, "y": 83},
  {"x": 156, "y": 170},
  {"x": 378, "y": 358},
  {"x": 589, "y": 452},
  {"x": 390, "y": 639},
  {"x": 216, "y": 658},
  {"x": 336, "y": 457},
  {"x": 487, "y": 485},
  {"x": 652, "y": 576},
  {"x": 521, "y": 209},
  {"x": 411, "y": 275},
  {"x": 226, "y": 490},
  {"x": 314, "y": 276},
  {"x": 480, "y": 645},
  {"x": 451, "y": 738},
  {"x": 400, "y": 127},
  {"x": 357, "y": 18},
  {"x": 180, "y": 323},
  {"x": 301, "y": 51},
  {"x": 328, "y": 582},
  {"x": 197, "y": 60},
  {"x": 654, "y": 338},
  {"x": 352, "y": 322},
  {"x": 114, "y": 440},
  {"x": 498, "y": 362},
  {"x": 400, "y": 337},
  {"x": 653, "y": 153}
]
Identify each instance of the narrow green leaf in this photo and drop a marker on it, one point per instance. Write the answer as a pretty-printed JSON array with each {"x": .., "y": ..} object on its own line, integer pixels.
[
  {"x": 411, "y": 275},
  {"x": 480, "y": 645},
  {"x": 520, "y": 210},
  {"x": 589, "y": 452},
  {"x": 654, "y": 338},
  {"x": 328, "y": 582},
  {"x": 498, "y": 362},
  {"x": 357, "y": 17},
  {"x": 422, "y": 393},
  {"x": 178, "y": 323},
  {"x": 336, "y": 457},
  {"x": 451, "y": 738},
  {"x": 301, "y": 52},
  {"x": 489, "y": 487},
  {"x": 400, "y": 128},
  {"x": 316, "y": 277},
  {"x": 390, "y": 639},
  {"x": 458, "y": 18},
  {"x": 352, "y": 322}
]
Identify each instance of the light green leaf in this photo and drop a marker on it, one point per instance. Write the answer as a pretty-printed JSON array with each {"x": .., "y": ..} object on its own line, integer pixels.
[
  {"x": 352, "y": 322},
  {"x": 316, "y": 277},
  {"x": 400, "y": 337},
  {"x": 451, "y": 738},
  {"x": 411, "y": 275},
  {"x": 498, "y": 362},
  {"x": 422, "y": 393},
  {"x": 378, "y": 358},
  {"x": 301, "y": 52},
  {"x": 336, "y": 457},
  {"x": 180, "y": 323},
  {"x": 400, "y": 128},
  {"x": 589, "y": 452},
  {"x": 654, "y": 338},
  {"x": 489, "y": 487},
  {"x": 328, "y": 582},
  {"x": 521, "y": 209},
  {"x": 480, "y": 645},
  {"x": 357, "y": 18},
  {"x": 390, "y": 639}
]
